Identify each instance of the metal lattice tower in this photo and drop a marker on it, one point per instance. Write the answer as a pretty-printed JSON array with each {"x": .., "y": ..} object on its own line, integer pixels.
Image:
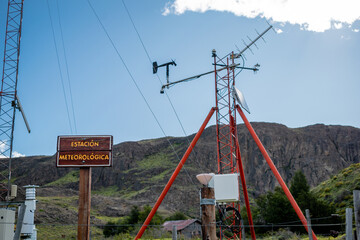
[
  {"x": 225, "y": 116},
  {"x": 228, "y": 149},
  {"x": 8, "y": 98},
  {"x": 226, "y": 135}
]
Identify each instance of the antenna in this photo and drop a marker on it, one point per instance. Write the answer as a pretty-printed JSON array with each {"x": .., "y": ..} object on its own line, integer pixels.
[
  {"x": 224, "y": 66},
  {"x": 253, "y": 42},
  {"x": 239, "y": 97}
]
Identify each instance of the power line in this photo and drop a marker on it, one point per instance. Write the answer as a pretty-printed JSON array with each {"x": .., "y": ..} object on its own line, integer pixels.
[
  {"x": 161, "y": 84},
  {"x": 59, "y": 66},
  {"x": 67, "y": 68},
  {"x": 136, "y": 85},
  {"x": 157, "y": 75}
]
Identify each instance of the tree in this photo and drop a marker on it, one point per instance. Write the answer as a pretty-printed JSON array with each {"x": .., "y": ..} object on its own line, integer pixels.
[
  {"x": 299, "y": 185},
  {"x": 274, "y": 207},
  {"x": 134, "y": 215},
  {"x": 177, "y": 216},
  {"x": 110, "y": 229},
  {"x": 126, "y": 225},
  {"x": 156, "y": 220}
]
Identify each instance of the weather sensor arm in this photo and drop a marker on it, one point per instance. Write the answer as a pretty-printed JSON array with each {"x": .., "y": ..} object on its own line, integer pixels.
[
  {"x": 18, "y": 106},
  {"x": 195, "y": 77},
  {"x": 255, "y": 68}
]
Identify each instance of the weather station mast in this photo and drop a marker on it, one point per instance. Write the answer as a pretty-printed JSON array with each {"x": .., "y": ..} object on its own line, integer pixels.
[
  {"x": 228, "y": 101},
  {"x": 9, "y": 100}
]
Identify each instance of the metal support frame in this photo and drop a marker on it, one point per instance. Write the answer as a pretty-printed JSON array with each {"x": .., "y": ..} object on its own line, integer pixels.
[
  {"x": 8, "y": 91},
  {"x": 228, "y": 149},
  {"x": 174, "y": 175},
  {"x": 275, "y": 171}
]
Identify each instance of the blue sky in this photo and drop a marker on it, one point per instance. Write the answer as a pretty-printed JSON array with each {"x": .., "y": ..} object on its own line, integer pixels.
[{"x": 309, "y": 72}]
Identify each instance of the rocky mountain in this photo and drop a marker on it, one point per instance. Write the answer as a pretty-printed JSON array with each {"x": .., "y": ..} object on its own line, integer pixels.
[{"x": 141, "y": 169}]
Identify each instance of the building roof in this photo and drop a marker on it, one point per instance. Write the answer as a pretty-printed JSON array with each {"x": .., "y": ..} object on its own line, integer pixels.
[{"x": 180, "y": 224}]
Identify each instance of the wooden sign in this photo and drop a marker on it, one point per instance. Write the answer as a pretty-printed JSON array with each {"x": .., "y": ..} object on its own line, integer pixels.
[{"x": 84, "y": 151}]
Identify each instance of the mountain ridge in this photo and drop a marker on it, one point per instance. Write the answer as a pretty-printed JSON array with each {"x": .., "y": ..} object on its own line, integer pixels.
[{"x": 142, "y": 168}]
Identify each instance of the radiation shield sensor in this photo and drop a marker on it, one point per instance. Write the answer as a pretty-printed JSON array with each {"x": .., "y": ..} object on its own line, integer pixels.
[
  {"x": 205, "y": 178},
  {"x": 239, "y": 97}
]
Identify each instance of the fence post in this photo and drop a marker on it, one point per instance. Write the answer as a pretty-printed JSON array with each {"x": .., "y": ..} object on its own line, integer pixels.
[
  {"x": 307, "y": 213},
  {"x": 349, "y": 224},
  {"x": 356, "y": 194},
  {"x": 174, "y": 233},
  {"x": 242, "y": 230}
]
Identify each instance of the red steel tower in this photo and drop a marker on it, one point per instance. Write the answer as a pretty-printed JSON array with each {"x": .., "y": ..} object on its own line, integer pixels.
[{"x": 228, "y": 150}]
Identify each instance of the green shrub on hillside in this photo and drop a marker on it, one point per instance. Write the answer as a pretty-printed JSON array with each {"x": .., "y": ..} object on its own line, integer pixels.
[
  {"x": 338, "y": 189},
  {"x": 128, "y": 223},
  {"x": 275, "y": 208}
]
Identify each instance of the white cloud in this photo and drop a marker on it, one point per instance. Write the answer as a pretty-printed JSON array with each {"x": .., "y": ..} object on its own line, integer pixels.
[
  {"x": 4, "y": 147},
  {"x": 16, "y": 154},
  {"x": 311, "y": 15},
  {"x": 278, "y": 31},
  {"x": 338, "y": 25},
  {"x": 356, "y": 30}
]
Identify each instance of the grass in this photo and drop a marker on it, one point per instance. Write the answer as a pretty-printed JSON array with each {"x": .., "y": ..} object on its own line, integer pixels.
[
  {"x": 111, "y": 191},
  {"x": 61, "y": 231},
  {"x": 61, "y": 201},
  {"x": 70, "y": 177},
  {"x": 159, "y": 160},
  {"x": 130, "y": 194},
  {"x": 106, "y": 219},
  {"x": 339, "y": 188},
  {"x": 160, "y": 176}
]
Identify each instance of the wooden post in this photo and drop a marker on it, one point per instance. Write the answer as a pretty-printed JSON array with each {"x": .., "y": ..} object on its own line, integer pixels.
[
  {"x": 349, "y": 224},
  {"x": 356, "y": 194},
  {"x": 208, "y": 221},
  {"x": 84, "y": 203},
  {"x": 307, "y": 213}
]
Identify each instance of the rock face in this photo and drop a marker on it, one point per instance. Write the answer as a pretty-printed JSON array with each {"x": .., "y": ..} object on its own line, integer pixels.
[{"x": 141, "y": 169}]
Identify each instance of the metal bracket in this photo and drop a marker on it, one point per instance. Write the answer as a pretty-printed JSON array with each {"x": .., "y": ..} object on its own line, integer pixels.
[{"x": 206, "y": 201}]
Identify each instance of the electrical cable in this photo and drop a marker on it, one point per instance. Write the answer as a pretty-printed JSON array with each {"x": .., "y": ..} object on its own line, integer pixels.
[
  {"x": 171, "y": 104},
  {"x": 135, "y": 83},
  {"x": 161, "y": 84},
  {"x": 59, "y": 66},
  {"x": 66, "y": 67}
]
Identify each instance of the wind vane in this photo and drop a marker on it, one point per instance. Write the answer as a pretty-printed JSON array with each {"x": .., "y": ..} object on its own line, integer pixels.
[{"x": 156, "y": 66}]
